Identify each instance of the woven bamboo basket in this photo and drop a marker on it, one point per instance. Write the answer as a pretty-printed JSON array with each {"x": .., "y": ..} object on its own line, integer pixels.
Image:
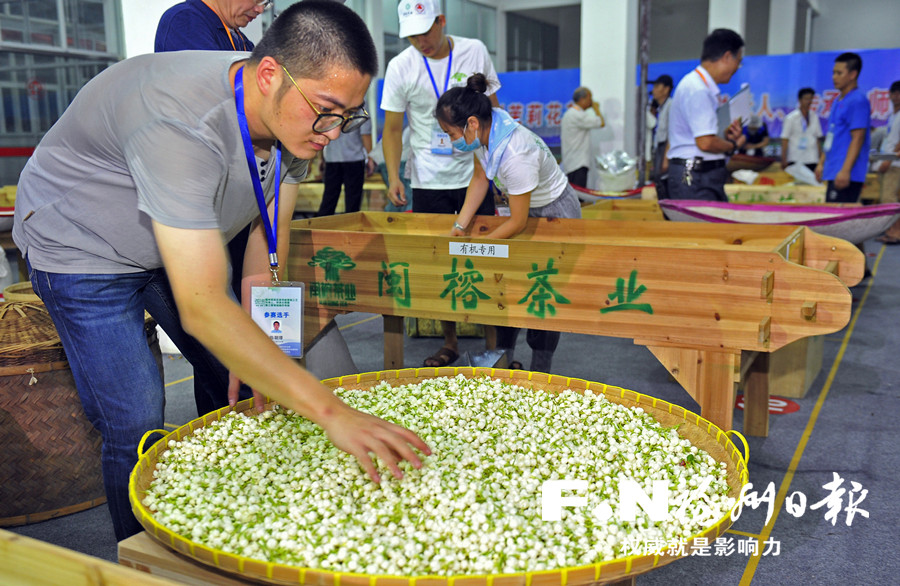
[
  {"x": 22, "y": 292},
  {"x": 50, "y": 464},
  {"x": 699, "y": 431}
]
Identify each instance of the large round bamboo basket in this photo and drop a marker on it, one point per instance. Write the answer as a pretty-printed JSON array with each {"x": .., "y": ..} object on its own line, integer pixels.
[
  {"x": 700, "y": 432},
  {"x": 50, "y": 463}
]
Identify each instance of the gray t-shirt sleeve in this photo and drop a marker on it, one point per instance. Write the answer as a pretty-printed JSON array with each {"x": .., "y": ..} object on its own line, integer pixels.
[{"x": 296, "y": 172}]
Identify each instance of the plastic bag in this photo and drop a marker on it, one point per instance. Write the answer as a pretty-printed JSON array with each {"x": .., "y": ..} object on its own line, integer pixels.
[
  {"x": 616, "y": 170},
  {"x": 802, "y": 175}
]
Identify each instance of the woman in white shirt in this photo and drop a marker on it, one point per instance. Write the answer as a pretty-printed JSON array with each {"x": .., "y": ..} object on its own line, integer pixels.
[{"x": 521, "y": 166}]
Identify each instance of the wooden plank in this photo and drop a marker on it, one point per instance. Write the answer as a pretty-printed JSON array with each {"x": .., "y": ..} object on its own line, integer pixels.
[
  {"x": 698, "y": 295},
  {"x": 144, "y": 553},
  {"x": 29, "y": 562},
  {"x": 633, "y": 210},
  {"x": 758, "y": 237},
  {"x": 819, "y": 251}
]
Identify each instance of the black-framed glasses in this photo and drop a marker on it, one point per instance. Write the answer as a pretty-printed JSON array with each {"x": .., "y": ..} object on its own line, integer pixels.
[{"x": 326, "y": 122}]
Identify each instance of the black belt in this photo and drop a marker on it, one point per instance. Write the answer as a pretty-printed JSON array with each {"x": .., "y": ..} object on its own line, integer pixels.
[{"x": 700, "y": 165}]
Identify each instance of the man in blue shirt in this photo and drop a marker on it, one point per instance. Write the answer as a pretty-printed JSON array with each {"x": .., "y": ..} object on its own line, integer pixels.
[
  {"x": 207, "y": 25},
  {"x": 844, "y": 158}
]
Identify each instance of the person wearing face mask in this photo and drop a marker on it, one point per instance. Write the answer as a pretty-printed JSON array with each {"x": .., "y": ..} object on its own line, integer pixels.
[
  {"x": 211, "y": 25},
  {"x": 413, "y": 82},
  {"x": 521, "y": 165}
]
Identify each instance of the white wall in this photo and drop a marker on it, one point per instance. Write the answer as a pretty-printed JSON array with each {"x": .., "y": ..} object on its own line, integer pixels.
[
  {"x": 139, "y": 20},
  {"x": 843, "y": 25}
]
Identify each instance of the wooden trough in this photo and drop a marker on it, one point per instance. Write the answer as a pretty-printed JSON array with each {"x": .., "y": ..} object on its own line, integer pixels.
[{"x": 695, "y": 295}]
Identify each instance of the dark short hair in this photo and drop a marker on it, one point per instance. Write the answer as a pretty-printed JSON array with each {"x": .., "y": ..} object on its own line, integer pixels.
[
  {"x": 851, "y": 60},
  {"x": 895, "y": 87},
  {"x": 458, "y": 103},
  {"x": 664, "y": 80},
  {"x": 579, "y": 94},
  {"x": 805, "y": 91},
  {"x": 311, "y": 37},
  {"x": 719, "y": 42}
]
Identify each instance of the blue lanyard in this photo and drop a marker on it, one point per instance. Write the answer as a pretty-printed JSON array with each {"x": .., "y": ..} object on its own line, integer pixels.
[
  {"x": 271, "y": 227},
  {"x": 446, "y": 79}
]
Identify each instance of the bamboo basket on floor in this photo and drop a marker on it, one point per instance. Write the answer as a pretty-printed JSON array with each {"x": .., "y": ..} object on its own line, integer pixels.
[
  {"x": 50, "y": 462},
  {"x": 21, "y": 292},
  {"x": 699, "y": 431}
]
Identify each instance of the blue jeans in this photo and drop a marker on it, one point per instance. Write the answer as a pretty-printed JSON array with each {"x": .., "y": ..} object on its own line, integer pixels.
[{"x": 100, "y": 321}]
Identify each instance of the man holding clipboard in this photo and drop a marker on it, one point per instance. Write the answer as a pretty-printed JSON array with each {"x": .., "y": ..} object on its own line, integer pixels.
[{"x": 696, "y": 148}]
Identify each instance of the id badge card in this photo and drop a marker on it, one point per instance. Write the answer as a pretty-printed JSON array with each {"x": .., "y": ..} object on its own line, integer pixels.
[
  {"x": 440, "y": 141},
  {"x": 826, "y": 146},
  {"x": 278, "y": 310},
  {"x": 803, "y": 143}
]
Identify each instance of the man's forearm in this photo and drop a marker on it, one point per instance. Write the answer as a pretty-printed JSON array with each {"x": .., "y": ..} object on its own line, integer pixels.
[{"x": 392, "y": 145}]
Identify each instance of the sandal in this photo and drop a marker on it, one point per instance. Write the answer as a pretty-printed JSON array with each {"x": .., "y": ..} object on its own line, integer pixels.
[
  {"x": 443, "y": 357},
  {"x": 887, "y": 239}
]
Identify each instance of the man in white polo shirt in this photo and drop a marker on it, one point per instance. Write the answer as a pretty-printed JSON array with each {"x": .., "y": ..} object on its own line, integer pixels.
[
  {"x": 696, "y": 152},
  {"x": 413, "y": 82},
  {"x": 801, "y": 133}
]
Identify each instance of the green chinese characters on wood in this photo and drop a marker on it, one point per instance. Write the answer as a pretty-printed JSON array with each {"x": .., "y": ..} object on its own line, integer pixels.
[
  {"x": 462, "y": 285},
  {"x": 542, "y": 292},
  {"x": 625, "y": 298},
  {"x": 393, "y": 281}
]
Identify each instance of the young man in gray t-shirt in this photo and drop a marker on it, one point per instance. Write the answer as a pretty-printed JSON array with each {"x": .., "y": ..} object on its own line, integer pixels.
[{"x": 129, "y": 198}]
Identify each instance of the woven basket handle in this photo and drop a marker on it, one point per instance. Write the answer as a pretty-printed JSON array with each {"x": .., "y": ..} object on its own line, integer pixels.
[
  {"x": 141, "y": 443},
  {"x": 743, "y": 441}
]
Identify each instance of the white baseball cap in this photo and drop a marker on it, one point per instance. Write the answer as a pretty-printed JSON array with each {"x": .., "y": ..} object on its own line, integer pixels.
[{"x": 417, "y": 16}]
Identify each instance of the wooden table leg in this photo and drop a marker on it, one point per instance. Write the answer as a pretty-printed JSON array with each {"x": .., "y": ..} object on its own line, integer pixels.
[
  {"x": 709, "y": 376},
  {"x": 756, "y": 397},
  {"x": 490, "y": 337},
  {"x": 393, "y": 342}
]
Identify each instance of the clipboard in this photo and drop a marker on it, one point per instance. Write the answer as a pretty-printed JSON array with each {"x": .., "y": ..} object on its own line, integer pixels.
[{"x": 739, "y": 106}]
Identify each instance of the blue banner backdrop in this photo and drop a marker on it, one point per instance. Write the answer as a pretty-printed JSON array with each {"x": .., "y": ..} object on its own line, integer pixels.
[{"x": 539, "y": 98}]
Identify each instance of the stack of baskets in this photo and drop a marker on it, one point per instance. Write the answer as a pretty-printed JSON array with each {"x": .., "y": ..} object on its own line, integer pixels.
[{"x": 50, "y": 458}]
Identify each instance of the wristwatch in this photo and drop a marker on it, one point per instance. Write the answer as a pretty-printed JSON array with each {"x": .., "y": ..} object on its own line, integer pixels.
[
  {"x": 459, "y": 226},
  {"x": 734, "y": 146}
]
